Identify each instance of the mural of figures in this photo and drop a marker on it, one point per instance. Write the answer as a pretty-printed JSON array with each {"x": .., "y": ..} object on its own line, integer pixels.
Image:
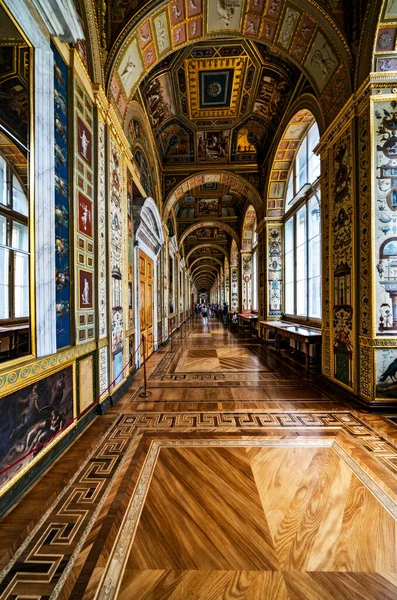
[
  {"x": 208, "y": 207},
  {"x": 386, "y": 373},
  {"x": 159, "y": 99},
  {"x": 176, "y": 144},
  {"x": 62, "y": 255},
  {"x": 248, "y": 140},
  {"x": 31, "y": 416},
  {"x": 386, "y": 207},
  {"x": 272, "y": 96},
  {"x": 213, "y": 146}
]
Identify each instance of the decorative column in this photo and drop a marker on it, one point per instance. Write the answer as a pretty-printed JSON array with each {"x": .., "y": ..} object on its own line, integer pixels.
[{"x": 246, "y": 268}]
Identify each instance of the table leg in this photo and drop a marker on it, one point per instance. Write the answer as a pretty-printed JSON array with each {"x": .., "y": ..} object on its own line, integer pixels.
[{"x": 307, "y": 356}]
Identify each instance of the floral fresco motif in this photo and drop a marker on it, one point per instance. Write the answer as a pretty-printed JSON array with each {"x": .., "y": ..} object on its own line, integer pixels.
[
  {"x": 386, "y": 207},
  {"x": 116, "y": 257},
  {"x": 62, "y": 253}
]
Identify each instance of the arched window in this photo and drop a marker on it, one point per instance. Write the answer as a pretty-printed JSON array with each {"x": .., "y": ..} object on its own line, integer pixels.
[{"x": 302, "y": 232}]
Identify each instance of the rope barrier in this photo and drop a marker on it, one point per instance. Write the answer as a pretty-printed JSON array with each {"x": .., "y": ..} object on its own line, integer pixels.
[{"x": 37, "y": 448}]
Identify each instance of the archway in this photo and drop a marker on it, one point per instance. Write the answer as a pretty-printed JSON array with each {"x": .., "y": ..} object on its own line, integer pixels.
[
  {"x": 210, "y": 224},
  {"x": 236, "y": 183},
  {"x": 149, "y": 239},
  {"x": 208, "y": 245}
]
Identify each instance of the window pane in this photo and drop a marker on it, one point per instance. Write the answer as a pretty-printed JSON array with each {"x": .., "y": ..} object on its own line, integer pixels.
[
  {"x": 19, "y": 200},
  {"x": 20, "y": 236},
  {"x": 301, "y": 226},
  {"x": 3, "y": 231},
  {"x": 315, "y": 257},
  {"x": 301, "y": 262},
  {"x": 314, "y": 217},
  {"x": 290, "y": 189},
  {"x": 21, "y": 289},
  {"x": 301, "y": 165},
  {"x": 3, "y": 181},
  {"x": 301, "y": 300},
  {"x": 4, "y": 282},
  {"x": 289, "y": 235},
  {"x": 313, "y": 138},
  {"x": 289, "y": 298},
  {"x": 315, "y": 297}
]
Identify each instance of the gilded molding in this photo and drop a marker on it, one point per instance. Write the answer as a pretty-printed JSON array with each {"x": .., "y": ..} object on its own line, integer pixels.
[{"x": 25, "y": 375}]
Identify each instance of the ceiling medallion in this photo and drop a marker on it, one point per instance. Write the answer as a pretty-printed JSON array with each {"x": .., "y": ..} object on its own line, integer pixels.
[
  {"x": 214, "y": 86},
  {"x": 214, "y": 89}
]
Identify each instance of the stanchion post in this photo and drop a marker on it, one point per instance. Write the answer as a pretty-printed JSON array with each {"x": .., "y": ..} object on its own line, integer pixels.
[
  {"x": 144, "y": 393},
  {"x": 171, "y": 339}
]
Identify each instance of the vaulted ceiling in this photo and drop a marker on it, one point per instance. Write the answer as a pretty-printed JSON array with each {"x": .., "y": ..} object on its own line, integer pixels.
[{"x": 216, "y": 83}]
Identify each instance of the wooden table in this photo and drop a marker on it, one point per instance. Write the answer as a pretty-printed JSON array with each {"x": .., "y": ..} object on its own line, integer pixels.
[
  {"x": 247, "y": 319},
  {"x": 299, "y": 333}
]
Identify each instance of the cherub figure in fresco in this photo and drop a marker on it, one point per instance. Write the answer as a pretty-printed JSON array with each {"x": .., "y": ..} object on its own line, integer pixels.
[{"x": 380, "y": 268}]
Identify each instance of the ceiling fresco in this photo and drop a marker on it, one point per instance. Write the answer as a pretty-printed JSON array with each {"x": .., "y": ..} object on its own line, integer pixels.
[
  {"x": 296, "y": 31},
  {"x": 214, "y": 80},
  {"x": 217, "y": 104}
]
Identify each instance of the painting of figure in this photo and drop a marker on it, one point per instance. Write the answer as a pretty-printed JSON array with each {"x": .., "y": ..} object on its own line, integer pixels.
[
  {"x": 31, "y": 417},
  {"x": 159, "y": 100},
  {"x": 213, "y": 146},
  {"x": 131, "y": 68},
  {"x": 176, "y": 143},
  {"x": 321, "y": 62},
  {"x": 85, "y": 215},
  {"x": 85, "y": 289},
  {"x": 224, "y": 15},
  {"x": 84, "y": 141},
  {"x": 208, "y": 207}
]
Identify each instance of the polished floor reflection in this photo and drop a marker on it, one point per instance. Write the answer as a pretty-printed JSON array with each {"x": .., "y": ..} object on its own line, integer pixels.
[{"x": 240, "y": 477}]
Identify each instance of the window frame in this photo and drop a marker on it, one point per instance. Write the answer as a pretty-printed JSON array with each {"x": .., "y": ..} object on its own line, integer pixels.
[
  {"x": 12, "y": 216},
  {"x": 301, "y": 198},
  {"x": 292, "y": 214}
]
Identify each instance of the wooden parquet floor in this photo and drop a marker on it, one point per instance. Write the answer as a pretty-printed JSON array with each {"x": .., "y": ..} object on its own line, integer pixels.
[{"x": 238, "y": 478}]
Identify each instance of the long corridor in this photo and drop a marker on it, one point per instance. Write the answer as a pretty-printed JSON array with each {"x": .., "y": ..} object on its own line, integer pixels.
[{"x": 239, "y": 477}]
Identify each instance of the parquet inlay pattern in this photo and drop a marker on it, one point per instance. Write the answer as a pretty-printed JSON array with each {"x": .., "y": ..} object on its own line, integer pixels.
[{"x": 222, "y": 503}]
